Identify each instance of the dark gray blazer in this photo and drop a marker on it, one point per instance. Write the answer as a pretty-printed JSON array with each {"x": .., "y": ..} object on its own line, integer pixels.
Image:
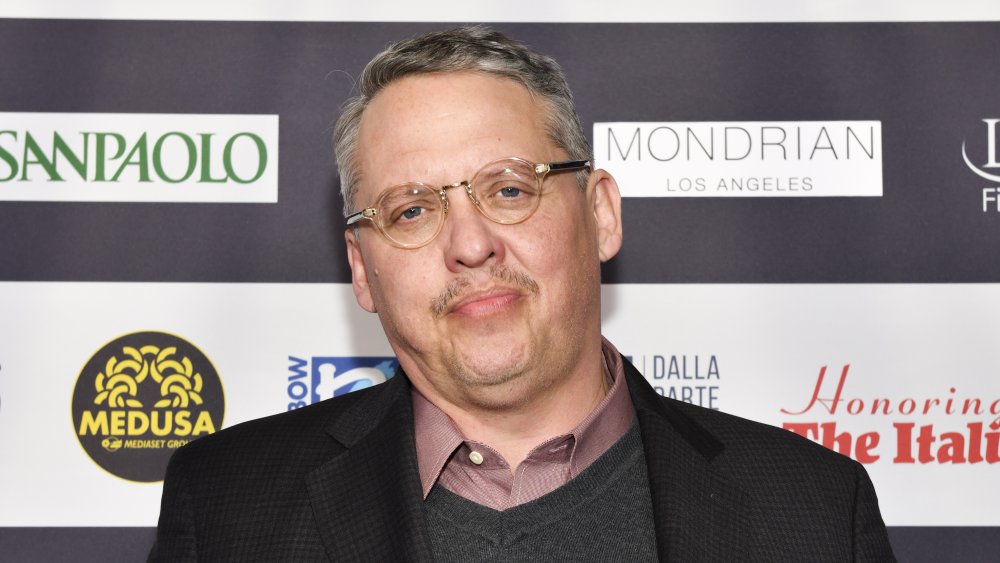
[{"x": 338, "y": 481}]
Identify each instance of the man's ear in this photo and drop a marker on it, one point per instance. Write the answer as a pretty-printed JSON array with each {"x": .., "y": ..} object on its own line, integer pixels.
[
  {"x": 606, "y": 202},
  {"x": 359, "y": 272}
]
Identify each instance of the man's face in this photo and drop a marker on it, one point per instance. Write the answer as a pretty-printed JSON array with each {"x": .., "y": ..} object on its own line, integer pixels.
[{"x": 486, "y": 315}]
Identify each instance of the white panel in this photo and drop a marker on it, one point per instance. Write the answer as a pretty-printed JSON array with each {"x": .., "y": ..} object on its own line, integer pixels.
[
  {"x": 742, "y": 158},
  {"x": 139, "y": 157},
  {"x": 644, "y": 11},
  {"x": 751, "y": 350}
]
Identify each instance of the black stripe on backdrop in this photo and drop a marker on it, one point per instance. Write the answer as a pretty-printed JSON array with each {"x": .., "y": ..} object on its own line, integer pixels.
[
  {"x": 930, "y": 85},
  {"x": 101, "y": 545}
]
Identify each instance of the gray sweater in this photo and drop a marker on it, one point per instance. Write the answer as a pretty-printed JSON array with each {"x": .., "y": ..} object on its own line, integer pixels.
[{"x": 604, "y": 514}]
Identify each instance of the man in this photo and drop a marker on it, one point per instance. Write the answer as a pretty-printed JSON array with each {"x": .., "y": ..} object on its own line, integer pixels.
[{"x": 513, "y": 431}]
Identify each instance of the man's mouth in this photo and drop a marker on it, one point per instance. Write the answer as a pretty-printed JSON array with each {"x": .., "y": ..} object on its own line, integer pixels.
[
  {"x": 461, "y": 296},
  {"x": 485, "y": 303}
]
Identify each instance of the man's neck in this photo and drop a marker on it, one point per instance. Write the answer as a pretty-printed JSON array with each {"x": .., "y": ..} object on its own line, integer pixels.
[{"x": 515, "y": 431}]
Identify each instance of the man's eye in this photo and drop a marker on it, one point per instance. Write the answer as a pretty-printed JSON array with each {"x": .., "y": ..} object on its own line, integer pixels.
[
  {"x": 412, "y": 212},
  {"x": 509, "y": 191}
]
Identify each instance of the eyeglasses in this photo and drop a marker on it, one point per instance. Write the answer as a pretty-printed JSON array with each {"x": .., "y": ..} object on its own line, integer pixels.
[{"x": 505, "y": 191}]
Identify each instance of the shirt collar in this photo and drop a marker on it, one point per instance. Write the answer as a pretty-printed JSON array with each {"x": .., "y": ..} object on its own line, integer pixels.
[{"x": 437, "y": 437}]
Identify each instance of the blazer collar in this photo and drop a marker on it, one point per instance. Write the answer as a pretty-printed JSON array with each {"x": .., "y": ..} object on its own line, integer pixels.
[
  {"x": 698, "y": 513},
  {"x": 366, "y": 499}
]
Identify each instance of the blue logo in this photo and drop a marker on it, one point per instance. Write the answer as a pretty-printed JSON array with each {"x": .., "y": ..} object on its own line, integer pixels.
[{"x": 312, "y": 379}]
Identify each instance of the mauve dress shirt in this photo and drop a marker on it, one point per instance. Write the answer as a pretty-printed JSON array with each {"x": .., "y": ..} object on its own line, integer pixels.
[{"x": 476, "y": 471}]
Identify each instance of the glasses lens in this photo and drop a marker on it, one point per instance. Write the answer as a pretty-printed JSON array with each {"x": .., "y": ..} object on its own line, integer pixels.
[
  {"x": 507, "y": 190},
  {"x": 410, "y": 214}
]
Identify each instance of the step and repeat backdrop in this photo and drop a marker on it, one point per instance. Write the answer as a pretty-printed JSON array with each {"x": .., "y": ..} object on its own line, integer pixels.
[{"x": 812, "y": 218}]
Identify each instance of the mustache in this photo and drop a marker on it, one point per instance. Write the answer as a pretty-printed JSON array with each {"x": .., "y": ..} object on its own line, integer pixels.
[{"x": 457, "y": 287}]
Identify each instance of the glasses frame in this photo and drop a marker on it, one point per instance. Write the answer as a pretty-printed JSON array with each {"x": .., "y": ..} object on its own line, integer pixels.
[{"x": 541, "y": 171}]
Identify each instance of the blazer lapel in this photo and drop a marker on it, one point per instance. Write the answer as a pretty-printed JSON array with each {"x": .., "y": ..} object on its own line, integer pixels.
[
  {"x": 367, "y": 499},
  {"x": 699, "y": 515}
]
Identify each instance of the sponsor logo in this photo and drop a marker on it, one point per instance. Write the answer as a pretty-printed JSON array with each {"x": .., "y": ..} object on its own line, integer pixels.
[
  {"x": 112, "y": 443},
  {"x": 690, "y": 378},
  {"x": 742, "y": 159},
  {"x": 988, "y": 170},
  {"x": 138, "y": 157},
  {"x": 312, "y": 379},
  {"x": 140, "y": 397},
  {"x": 950, "y": 427}
]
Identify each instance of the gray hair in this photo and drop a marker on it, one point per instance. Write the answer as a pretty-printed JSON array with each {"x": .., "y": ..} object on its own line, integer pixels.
[{"x": 475, "y": 48}]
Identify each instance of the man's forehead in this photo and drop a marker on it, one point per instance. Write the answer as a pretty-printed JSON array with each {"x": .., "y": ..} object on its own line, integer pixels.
[
  {"x": 424, "y": 99},
  {"x": 419, "y": 120}
]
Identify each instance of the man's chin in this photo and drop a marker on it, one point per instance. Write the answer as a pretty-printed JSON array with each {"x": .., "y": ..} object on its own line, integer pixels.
[
  {"x": 489, "y": 364},
  {"x": 493, "y": 361},
  {"x": 497, "y": 390},
  {"x": 484, "y": 375}
]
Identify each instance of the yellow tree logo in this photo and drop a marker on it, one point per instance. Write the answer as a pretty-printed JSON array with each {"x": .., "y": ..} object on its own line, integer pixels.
[{"x": 118, "y": 385}]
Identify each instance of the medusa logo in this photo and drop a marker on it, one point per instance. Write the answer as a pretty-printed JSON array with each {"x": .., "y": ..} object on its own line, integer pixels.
[{"x": 142, "y": 396}]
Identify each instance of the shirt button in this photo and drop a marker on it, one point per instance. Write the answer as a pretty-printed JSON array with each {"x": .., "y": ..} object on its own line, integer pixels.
[{"x": 476, "y": 457}]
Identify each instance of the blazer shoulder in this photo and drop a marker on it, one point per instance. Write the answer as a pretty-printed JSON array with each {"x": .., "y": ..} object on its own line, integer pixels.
[
  {"x": 746, "y": 439},
  {"x": 288, "y": 435},
  {"x": 726, "y": 438},
  {"x": 789, "y": 476}
]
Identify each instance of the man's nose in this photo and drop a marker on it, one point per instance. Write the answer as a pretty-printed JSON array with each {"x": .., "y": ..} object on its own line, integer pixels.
[{"x": 470, "y": 239}]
